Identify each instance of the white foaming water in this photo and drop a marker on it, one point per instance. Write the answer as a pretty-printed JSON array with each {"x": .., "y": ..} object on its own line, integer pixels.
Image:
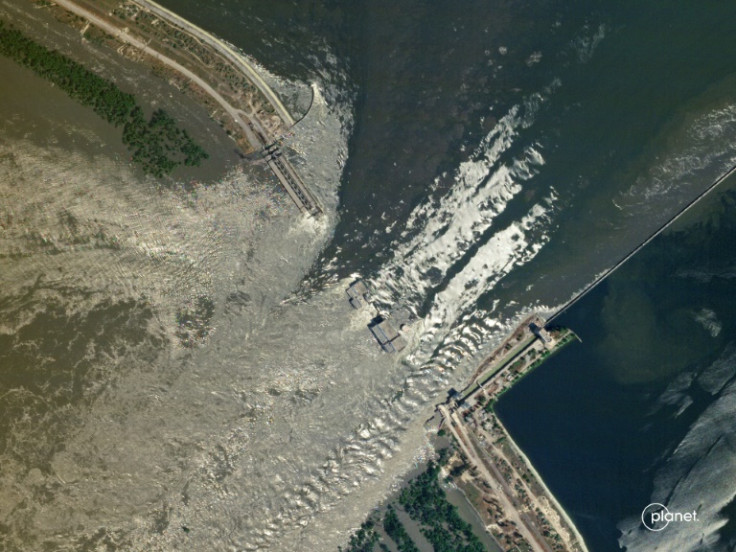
[
  {"x": 375, "y": 443},
  {"x": 158, "y": 426},
  {"x": 333, "y": 425},
  {"x": 440, "y": 253},
  {"x": 709, "y": 320},
  {"x": 254, "y": 440},
  {"x": 705, "y": 152},
  {"x": 587, "y": 43},
  {"x": 507, "y": 249},
  {"x": 444, "y": 234}
]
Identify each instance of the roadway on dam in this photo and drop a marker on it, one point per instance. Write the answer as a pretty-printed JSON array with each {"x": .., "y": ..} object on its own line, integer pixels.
[{"x": 254, "y": 132}]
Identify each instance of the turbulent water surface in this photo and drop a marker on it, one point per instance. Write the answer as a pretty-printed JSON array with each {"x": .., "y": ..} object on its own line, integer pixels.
[{"x": 182, "y": 371}]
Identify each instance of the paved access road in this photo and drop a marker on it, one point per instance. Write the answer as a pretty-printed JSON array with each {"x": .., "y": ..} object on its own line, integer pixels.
[
  {"x": 495, "y": 479},
  {"x": 126, "y": 38},
  {"x": 226, "y": 51},
  {"x": 282, "y": 169}
]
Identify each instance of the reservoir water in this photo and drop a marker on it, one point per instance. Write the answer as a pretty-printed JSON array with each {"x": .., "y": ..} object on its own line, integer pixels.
[
  {"x": 476, "y": 160},
  {"x": 640, "y": 411}
]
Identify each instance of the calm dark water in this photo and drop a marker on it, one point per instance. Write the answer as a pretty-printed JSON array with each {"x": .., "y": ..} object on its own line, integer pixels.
[
  {"x": 602, "y": 419},
  {"x": 605, "y": 96}
]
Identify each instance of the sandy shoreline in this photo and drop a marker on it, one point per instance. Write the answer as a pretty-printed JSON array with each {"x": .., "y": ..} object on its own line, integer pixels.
[
  {"x": 514, "y": 501},
  {"x": 541, "y": 482}
]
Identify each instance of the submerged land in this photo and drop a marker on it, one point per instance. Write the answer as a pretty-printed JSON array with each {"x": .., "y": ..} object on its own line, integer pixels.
[
  {"x": 158, "y": 144},
  {"x": 198, "y": 64},
  {"x": 481, "y": 459},
  {"x": 476, "y": 455},
  {"x": 177, "y": 52}
]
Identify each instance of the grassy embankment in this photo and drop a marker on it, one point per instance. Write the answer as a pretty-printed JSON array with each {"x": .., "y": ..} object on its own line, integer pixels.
[{"x": 158, "y": 145}]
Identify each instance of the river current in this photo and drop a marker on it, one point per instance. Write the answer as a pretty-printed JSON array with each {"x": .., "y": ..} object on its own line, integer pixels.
[{"x": 476, "y": 160}]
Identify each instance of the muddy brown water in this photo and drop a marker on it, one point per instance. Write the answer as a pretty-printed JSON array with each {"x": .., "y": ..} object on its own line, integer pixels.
[{"x": 24, "y": 93}]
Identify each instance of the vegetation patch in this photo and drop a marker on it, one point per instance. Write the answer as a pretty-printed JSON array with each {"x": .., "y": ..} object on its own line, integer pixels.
[
  {"x": 157, "y": 144},
  {"x": 195, "y": 322},
  {"x": 425, "y": 501},
  {"x": 364, "y": 539},
  {"x": 394, "y": 529}
]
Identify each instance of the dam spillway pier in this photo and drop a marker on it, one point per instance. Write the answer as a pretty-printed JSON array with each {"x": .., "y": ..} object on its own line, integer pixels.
[
  {"x": 284, "y": 171},
  {"x": 291, "y": 181},
  {"x": 383, "y": 328}
]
